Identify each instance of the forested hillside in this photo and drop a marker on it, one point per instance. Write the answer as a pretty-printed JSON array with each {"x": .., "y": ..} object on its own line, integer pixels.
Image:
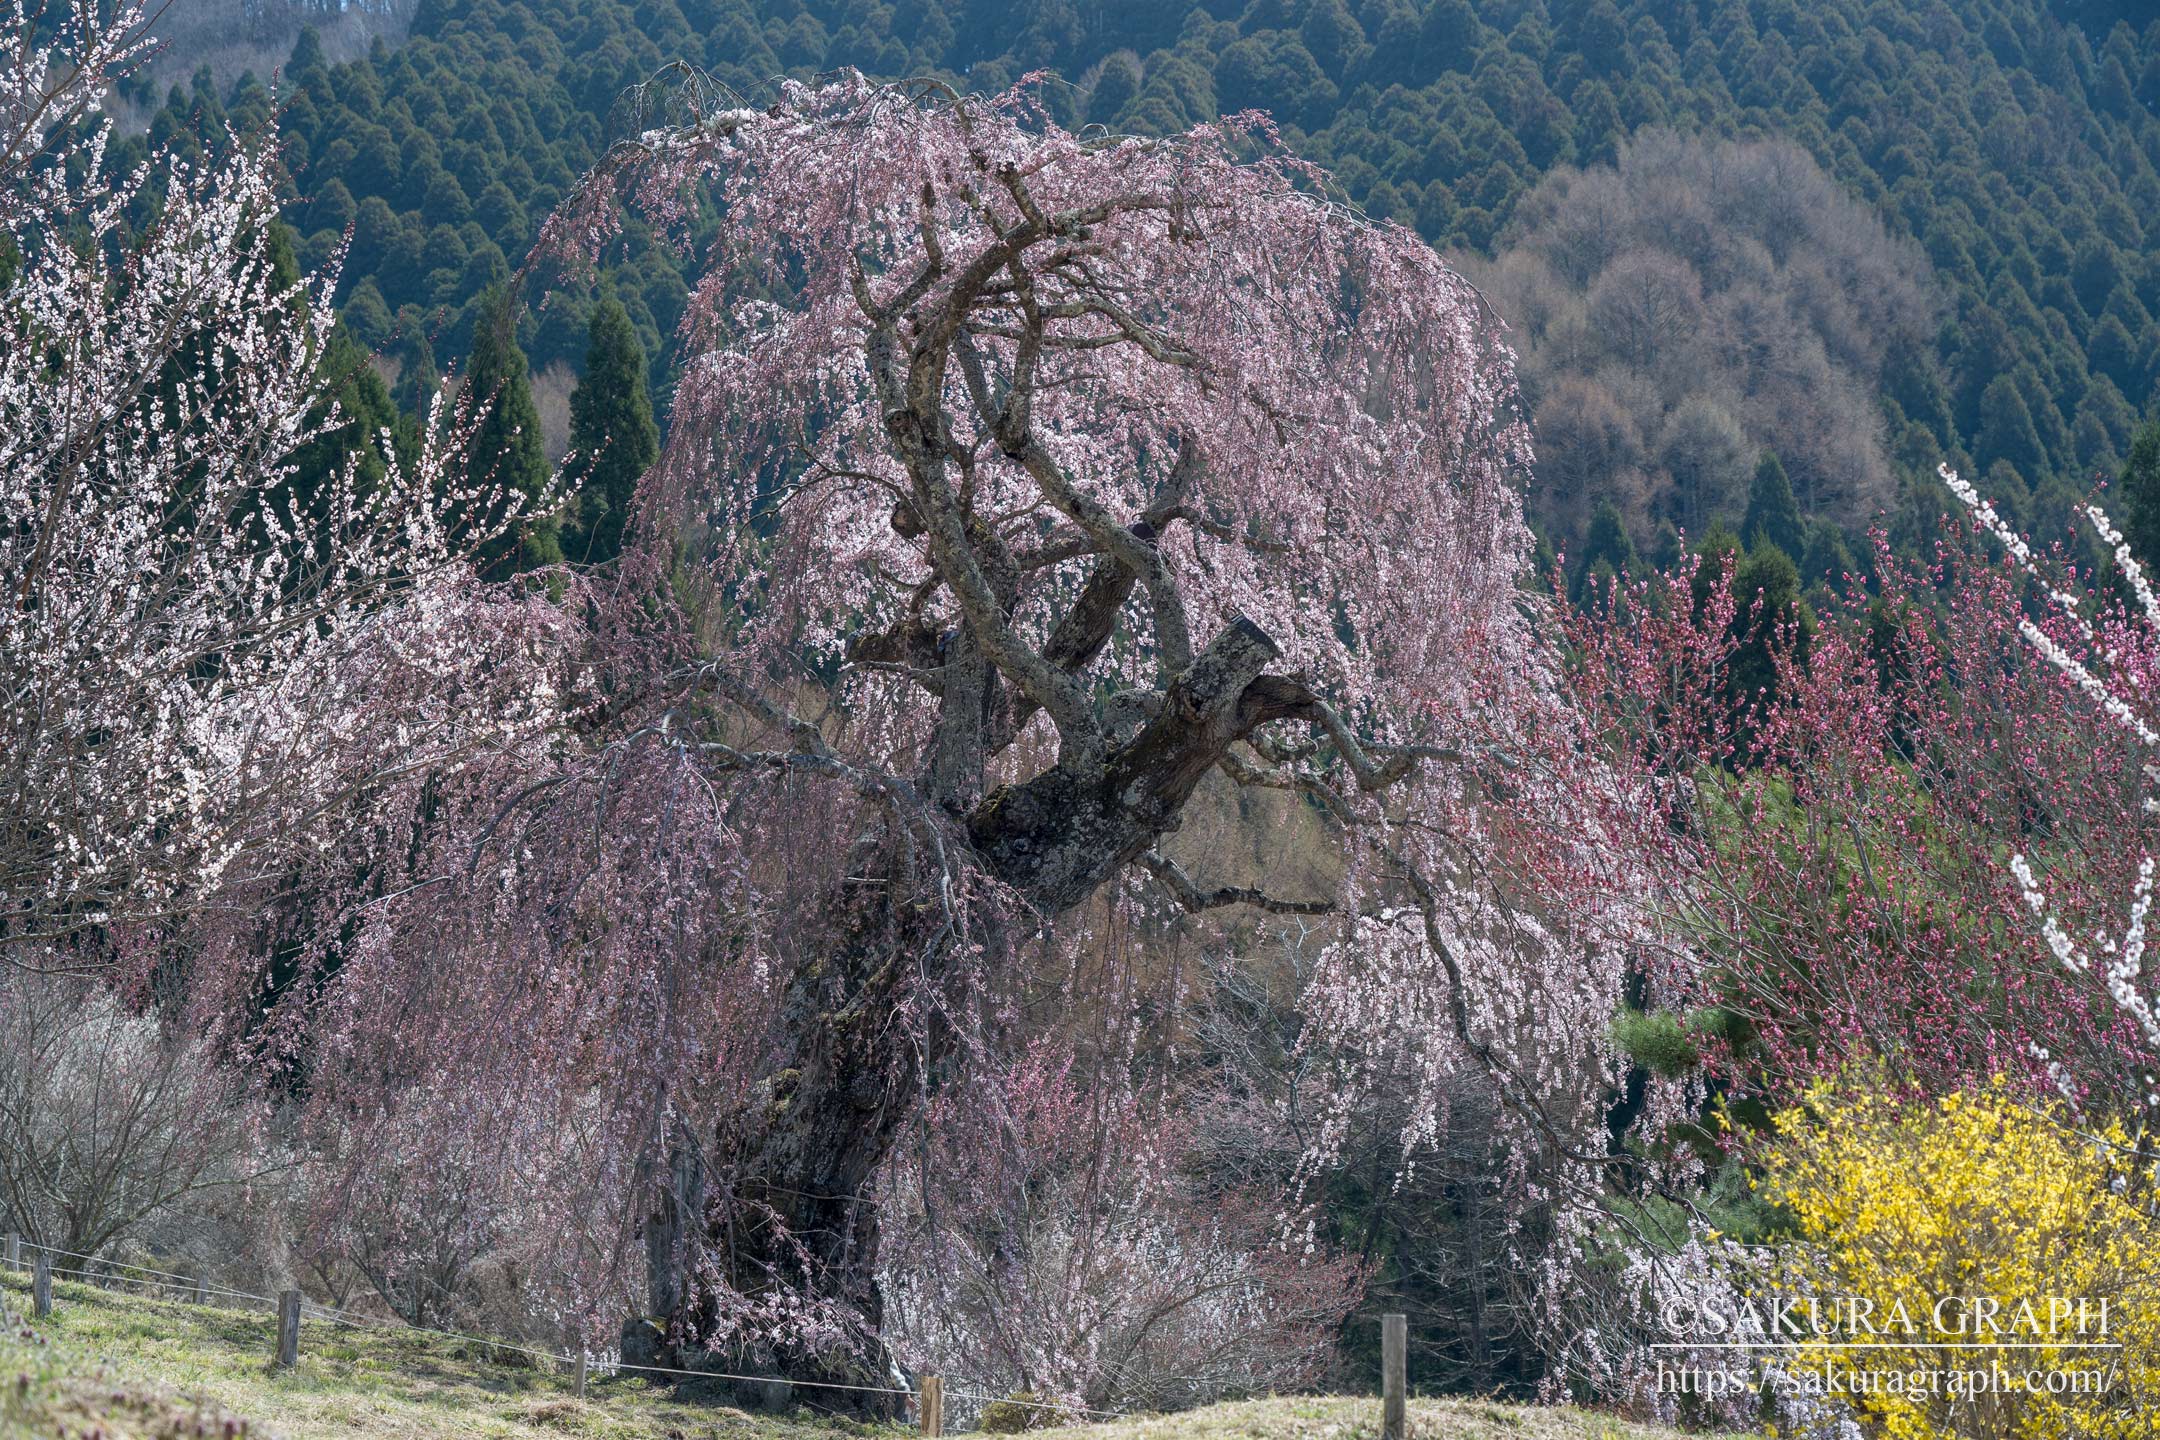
[{"x": 2011, "y": 146}]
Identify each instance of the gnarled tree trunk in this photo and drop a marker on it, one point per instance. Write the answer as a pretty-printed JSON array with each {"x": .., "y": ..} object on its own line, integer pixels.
[
  {"x": 794, "y": 1211},
  {"x": 792, "y": 1190}
]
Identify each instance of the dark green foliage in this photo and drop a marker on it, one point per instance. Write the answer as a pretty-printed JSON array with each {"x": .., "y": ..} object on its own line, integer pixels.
[
  {"x": 1773, "y": 625},
  {"x": 1665, "y": 547},
  {"x": 365, "y": 411},
  {"x": 613, "y": 439},
  {"x": 2007, "y": 432},
  {"x": 1718, "y": 554},
  {"x": 307, "y": 58},
  {"x": 1115, "y": 88},
  {"x": 1607, "y": 553},
  {"x": 1827, "y": 559},
  {"x": 1544, "y": 562},
  {"x": 1658, "y": 1040},
  {"x": 2135, "y": 505},
  {"x": 2015, "y": 141},
  {"x": 506, "y": 448},
  {"x": 1773, "y": 516}
]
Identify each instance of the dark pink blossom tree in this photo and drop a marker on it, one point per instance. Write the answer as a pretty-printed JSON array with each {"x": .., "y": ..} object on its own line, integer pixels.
[{"x": 1862, "y": 846}]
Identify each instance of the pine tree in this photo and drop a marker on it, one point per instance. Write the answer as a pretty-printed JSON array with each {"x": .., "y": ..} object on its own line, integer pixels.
[
  {"x": 1772, "y": 513},
  {"x": 507, "y": 451},
  {"x": 613, "y": 439}
]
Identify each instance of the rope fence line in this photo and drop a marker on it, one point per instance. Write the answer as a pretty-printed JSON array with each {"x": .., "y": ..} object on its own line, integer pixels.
[
  {"x": 293, "y": 1306},
  {"x": 120, "y": 1264},
  {"x": 97, "y": 1277}
]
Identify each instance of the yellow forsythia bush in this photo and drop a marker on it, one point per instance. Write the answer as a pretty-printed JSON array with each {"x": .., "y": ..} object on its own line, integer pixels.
[{"x": 1968, "y": 1258}]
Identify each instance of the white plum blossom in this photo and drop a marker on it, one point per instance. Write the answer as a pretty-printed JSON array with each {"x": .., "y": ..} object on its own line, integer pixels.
[
  {"x": 195, "y": 656},
  {"x": 2114, "y": 678}
]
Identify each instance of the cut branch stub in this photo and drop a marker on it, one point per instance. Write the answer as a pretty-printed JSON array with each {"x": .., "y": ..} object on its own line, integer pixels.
[{"x": 1059, "y": 835}]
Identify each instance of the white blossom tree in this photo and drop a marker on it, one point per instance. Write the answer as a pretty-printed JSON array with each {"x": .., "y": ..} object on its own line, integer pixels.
[{"x": 196, "y": 654}]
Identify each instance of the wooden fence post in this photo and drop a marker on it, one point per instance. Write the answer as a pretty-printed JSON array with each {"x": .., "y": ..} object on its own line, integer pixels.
[
  {"x": 288, "y": 1329},
  {"x": 1394, "y": 1374},
  {"x": 202, "y": 1291},
  {"x": 930, "y": 1407},
  {"x": 41, "y": 1285},
  {"x": 14, "y": 1252},
  {"x": 581, "y": 1375}
]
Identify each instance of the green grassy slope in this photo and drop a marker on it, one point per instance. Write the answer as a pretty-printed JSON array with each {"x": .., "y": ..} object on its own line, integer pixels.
[
  {"x": 1357, "y": 1417},
  {"x": 125, "y": 1367}
]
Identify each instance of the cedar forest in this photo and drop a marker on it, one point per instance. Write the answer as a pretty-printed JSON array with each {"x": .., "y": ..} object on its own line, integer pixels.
[{"x": 2004, "y": 158}]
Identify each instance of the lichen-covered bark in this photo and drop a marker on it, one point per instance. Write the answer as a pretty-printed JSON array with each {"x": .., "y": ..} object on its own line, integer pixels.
[{"x": 1058, "y": 836}]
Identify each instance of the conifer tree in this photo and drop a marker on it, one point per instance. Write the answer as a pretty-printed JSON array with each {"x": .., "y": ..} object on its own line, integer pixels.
[
  {"x": 1718, "y": 553},
  {"x": 1607, "y": 552},
  {"x": 1827, "y": 559},
  {"x": 2136, "y": 504},
  {"x": 418, "y": 379},
  {"x": 1771, "y": 617},
  {"x": 613, "y": 439},
  {"x": 307, "y": 55},
  {"x": 1772, "y": 513},
  {"x": 365, "y": 411},
  {"x": 1666, "y": 547},
  {"x": 506, "y": 449},
  {"x": 2007, "y": 431}
]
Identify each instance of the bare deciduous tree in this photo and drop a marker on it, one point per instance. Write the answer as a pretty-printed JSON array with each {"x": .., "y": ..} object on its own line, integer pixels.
[
  {"x": 108, "y": 1121},
  {"x": 1699, "y": 278}
]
